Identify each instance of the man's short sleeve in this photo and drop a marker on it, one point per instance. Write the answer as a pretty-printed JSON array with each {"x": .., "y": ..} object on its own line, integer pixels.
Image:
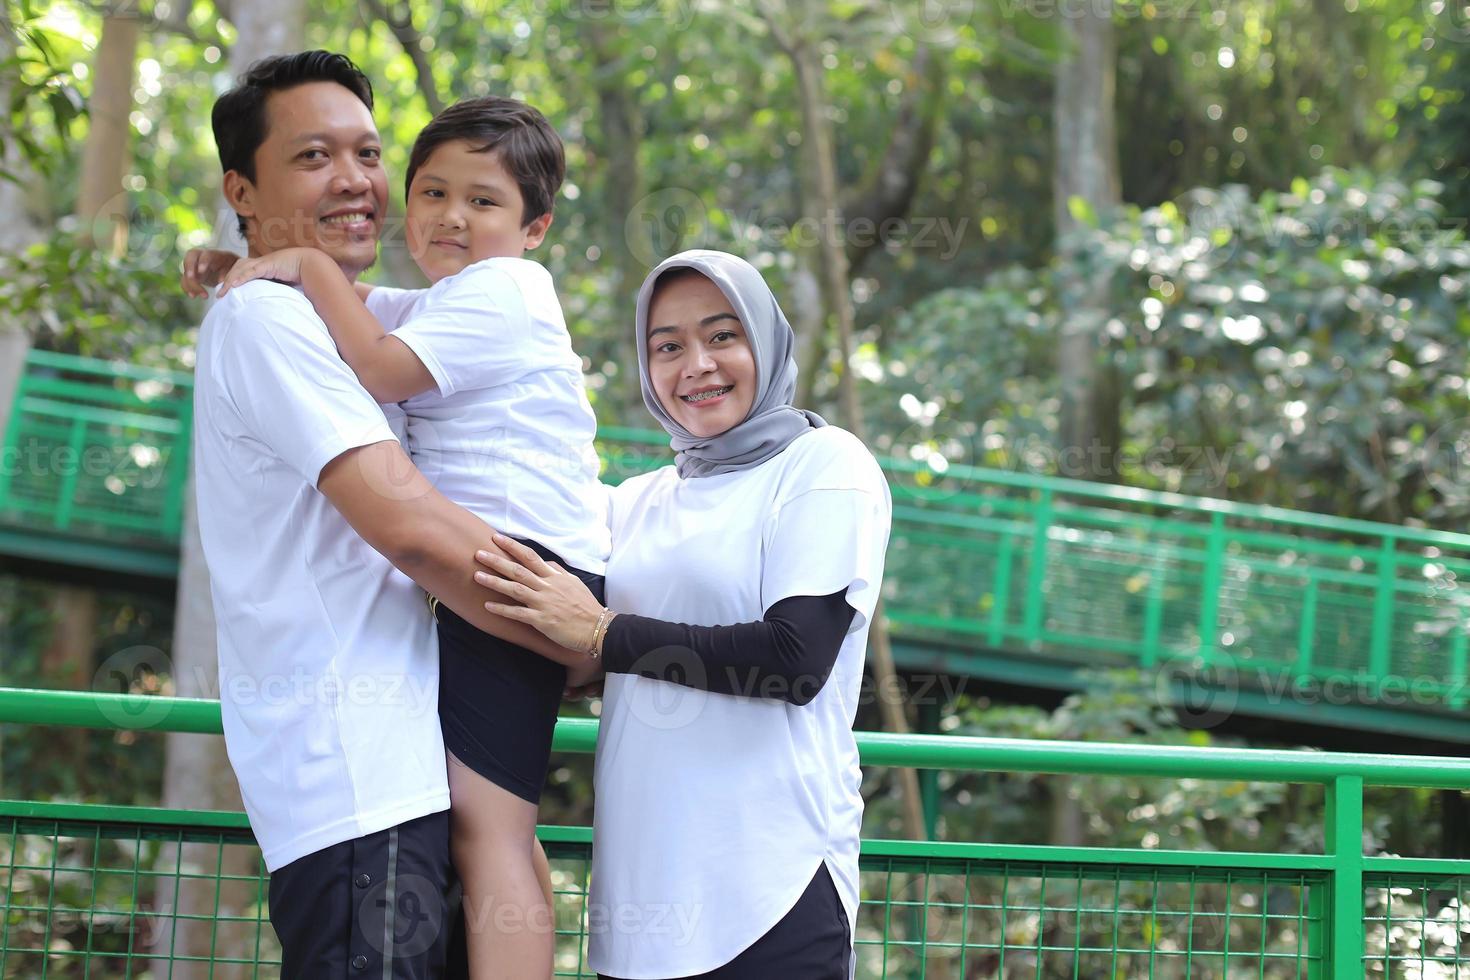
[
  {"x": 278, "y": 368},
  {"x": 474, "y": 333}
]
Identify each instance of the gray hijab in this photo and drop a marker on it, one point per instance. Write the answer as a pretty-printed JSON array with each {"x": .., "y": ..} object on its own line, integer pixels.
[{"x": 772, "y": 423}]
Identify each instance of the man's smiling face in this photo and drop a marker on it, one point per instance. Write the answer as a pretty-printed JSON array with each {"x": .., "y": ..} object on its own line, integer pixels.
[{"x": 319, "y": 180}]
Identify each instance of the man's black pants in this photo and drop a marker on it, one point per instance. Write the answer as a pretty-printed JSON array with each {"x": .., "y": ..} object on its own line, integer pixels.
[{"x": 384, "y": 906}]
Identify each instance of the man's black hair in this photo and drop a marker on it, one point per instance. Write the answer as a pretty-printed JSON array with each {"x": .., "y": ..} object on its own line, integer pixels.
[
  {"x": 239, "y": 118},
  {"x": 530, "y": 150}
]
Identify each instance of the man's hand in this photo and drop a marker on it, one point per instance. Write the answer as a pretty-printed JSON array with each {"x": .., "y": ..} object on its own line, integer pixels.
[
  {"x": 205, "y": 268},
  {"x": 283, "y": 266}
]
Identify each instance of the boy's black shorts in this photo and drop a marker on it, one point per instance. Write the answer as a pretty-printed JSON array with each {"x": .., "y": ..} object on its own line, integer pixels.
[{"x": 498, "y": 702}]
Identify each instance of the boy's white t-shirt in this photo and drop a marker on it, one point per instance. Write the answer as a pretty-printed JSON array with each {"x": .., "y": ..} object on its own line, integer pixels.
[
  {"x": 328, "y": 658},
  {"x": 509, "y": 433},
  {"x": 714, "y": 811}
]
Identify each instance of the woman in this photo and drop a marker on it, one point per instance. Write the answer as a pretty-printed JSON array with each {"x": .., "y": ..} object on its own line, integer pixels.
[{"x": 728, "y": 811}]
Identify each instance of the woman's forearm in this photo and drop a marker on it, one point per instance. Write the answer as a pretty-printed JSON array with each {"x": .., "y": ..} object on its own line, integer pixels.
[{"x": 785, "y": 656}]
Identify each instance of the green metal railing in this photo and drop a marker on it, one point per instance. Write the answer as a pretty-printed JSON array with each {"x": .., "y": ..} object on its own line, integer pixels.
[
  {"x": 982, "y": 560},
  {"x": 104, "y": 891}
]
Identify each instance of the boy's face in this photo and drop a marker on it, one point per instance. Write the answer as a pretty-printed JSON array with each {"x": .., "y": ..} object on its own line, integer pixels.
[
  {"x": 464, "y": 207},
  {"x": 319, "y": 180}
]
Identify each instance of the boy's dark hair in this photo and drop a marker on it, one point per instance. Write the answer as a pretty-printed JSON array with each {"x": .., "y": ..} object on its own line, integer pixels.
[
  {"x": 530, "y": 150},
  {"x": 239, "y": 115}
]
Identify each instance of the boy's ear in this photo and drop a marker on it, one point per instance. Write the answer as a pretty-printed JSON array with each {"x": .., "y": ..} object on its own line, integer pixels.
[
  {"x": 239, "y": 193},
  {"x": 535, "y": 232}
]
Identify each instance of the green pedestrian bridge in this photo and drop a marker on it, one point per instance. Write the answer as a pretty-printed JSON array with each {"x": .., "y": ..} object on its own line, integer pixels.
[{"x": 1002, "y": 580}]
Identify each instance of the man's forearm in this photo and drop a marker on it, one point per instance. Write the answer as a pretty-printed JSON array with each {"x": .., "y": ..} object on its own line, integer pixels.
[
  {"x": 429, "y": 538},
  {"x": 441, "y": 559}
]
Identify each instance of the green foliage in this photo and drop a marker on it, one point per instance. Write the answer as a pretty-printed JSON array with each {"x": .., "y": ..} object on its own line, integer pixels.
[
  {"x": 38, "y": 84},
  {"x": 1115, "y": 706},
  {"x": 1437, "y": 115},
  {"x": 78, "y": 299},
  {"x": 1312, "y": 340}
]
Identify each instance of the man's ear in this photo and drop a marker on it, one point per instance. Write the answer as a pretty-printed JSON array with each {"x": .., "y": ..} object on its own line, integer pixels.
[
  {"x": 536, "y": 230},
  {"x": 239, "y": 193}
]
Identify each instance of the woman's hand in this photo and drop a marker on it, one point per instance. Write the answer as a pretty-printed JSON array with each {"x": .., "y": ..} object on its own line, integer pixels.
[
  {"x": 205, "y": 268},
  {"x": 283, "y": 266},
  {"x": 551, "y": 599}
]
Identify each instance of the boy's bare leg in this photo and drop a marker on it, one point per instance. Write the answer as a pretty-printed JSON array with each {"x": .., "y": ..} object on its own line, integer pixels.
[
  {"x": 543, "y": 874},
  {"x": 508, "y": 924}
]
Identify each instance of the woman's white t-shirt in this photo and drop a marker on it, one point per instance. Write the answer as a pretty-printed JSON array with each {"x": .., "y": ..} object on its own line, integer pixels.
[
  {"x": 508, "y": 434},
  {"x": 714, "y": 811}
]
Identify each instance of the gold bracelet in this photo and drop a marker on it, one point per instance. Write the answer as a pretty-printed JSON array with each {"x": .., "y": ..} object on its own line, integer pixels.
[
  {"x": 602, "y": 634},
  {"x": 592, "y": 650},
  {"x": 592, "y": 636}
]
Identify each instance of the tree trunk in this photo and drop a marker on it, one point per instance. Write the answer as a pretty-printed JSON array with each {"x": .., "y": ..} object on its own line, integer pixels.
[
  {"x": 19, "y": 225},
  {"x": 393, "y": 251},
  {"x": 822, "y": 203},
  {"x": 197, "y": 776},
  {"x": 619, "y": 132},
  {"x": 809, "y": 320},
  {"x": 1067, "y": 824},
  {"x": 14, "y": 342},
  {"x": 1086, "y": 170},
  {"x": 67, "y": 664},
  {"x": 1454, "y": 824},
  {"x": 101, "y": 201},
  {"x": 197, "y": 773},
  {"x": 898, "y": 175},
  {"x": 398, "y": 16},
  {"x": 18, "y": 229}
]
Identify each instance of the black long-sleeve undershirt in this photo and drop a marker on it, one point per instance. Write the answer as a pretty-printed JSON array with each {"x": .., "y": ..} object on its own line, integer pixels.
[{"x": 785, "y": 656}]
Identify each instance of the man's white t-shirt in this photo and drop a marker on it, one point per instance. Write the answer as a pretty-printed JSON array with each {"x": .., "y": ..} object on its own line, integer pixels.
[
  {"x": 328, "y": 658},
  {"x": 713, "y": 811},
  {"x": 509, "y": 433}
]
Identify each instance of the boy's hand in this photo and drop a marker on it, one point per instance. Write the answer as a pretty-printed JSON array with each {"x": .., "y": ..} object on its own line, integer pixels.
[
  {"x": 283, "y": 266},
  {"x": 205, "y": 268}
]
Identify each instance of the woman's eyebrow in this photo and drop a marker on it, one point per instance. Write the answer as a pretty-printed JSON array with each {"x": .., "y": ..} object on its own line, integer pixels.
[{"x": 712, "y": 318}]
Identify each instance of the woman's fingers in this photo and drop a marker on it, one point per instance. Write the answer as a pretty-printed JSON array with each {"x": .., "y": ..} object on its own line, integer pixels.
[
  {"x": 507, "y": 569},
  {"x": 518, "y": 613},
  {"x": 505, "y": 586},
  {"x": 522, "y": 554}
]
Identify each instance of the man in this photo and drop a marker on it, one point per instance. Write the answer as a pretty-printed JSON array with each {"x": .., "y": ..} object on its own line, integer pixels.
[{"x": 307, "y": 502}]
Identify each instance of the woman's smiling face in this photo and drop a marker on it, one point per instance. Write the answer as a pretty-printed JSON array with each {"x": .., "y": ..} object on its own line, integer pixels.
[{"x": 700, "y": 361}]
